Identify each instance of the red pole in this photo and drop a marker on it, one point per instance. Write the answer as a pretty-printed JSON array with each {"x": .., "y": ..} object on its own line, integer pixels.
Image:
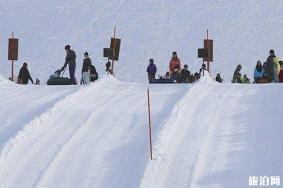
[
  {"x": 12, "y": 71},
  {"x": 208, "y": 48},
  {"x": 112, "y": 67},
  {"x": 149, "y": 123}
]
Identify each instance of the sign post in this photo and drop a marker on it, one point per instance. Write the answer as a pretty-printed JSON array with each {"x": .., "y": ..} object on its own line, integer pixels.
[
  {"x": 208, "y": 44},
  {"x": 114, "y": 49},
  {"x": 112, "y": 53},
  {"x": 13, "y": 53}
]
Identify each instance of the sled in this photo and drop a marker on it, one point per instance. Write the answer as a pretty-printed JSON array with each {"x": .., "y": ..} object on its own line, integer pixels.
[
  {"x": 56, "y": 79},
  {"x": 263, "y": 81},
  {"x": 163, "y": 81}
]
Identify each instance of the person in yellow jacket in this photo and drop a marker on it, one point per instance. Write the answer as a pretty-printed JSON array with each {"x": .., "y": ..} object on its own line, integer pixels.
[{"x": 276, "y": 69}]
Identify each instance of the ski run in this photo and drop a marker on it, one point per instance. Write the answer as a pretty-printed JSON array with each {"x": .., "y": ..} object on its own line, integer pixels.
[{"x": 204, "y": 134}]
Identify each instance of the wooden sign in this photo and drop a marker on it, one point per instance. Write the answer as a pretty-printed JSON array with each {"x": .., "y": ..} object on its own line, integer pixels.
[
  {"x": 208, "y": 44},
  {"x": 13, "y": 49},
  {"x": 115, "y": 45},
  {"x": 108, "y": 52},
  {"x": 202, "y": 53}
]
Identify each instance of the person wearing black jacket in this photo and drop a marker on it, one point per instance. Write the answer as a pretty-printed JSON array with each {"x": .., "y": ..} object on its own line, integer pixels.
[
  {"x": 86, "y": 69},
  {"x": 218, "y": 78},
  {"x": 24, "y": 75},
  {"x": 185, "y": 74},
  {"x": 71, "y": 61}
]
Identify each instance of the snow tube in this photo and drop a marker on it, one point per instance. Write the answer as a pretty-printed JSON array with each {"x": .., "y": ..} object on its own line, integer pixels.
[
  {"x": 163, "y": 81},
  {"x": 263, "y": 80},
  {"x": 58, "y": 81}
]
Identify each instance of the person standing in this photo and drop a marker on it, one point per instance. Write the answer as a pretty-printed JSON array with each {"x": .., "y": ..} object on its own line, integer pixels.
[
  {"x": 24, "y": 75},
  {"x": 151, "y": 71},
  {"x": 86, "y": 69},
  {"x": 270, "y": 65},
  {"x": 71, "y": 61},
  {"x": 175, "y": 64}
]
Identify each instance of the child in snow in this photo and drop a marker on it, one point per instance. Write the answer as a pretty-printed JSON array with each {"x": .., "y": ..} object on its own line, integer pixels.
[
  {"x": 218, "y": 78},
  {"x": 151, "y": 71}
]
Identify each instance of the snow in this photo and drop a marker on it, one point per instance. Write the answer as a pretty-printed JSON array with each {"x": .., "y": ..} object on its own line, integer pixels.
[
  {"x": 205, "y": 134},
  {"x": 243, "y": 32}
]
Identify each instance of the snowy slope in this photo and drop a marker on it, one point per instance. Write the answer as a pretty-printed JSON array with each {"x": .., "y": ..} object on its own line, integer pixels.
[
  {"x": 204, "y": 135},
  {"x": 244, "y": 31}
]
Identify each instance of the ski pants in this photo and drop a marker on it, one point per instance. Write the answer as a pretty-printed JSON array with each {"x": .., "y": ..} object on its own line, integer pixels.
[
  {"x": 151, "y": 78},
  {"x": 72, "y": 70},
  {"x": 86, "y": 77}
]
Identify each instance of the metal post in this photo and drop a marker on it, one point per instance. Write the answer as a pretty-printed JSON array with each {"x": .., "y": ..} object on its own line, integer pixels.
[
  {"x": 207, "y": 48},
  {"x": 149, "y": 123},
  {"x": 12, "y": 71},
  {"x": 112, "y": 66}
]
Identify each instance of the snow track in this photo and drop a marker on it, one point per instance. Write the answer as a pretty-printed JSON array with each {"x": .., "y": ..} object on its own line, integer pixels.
[
  {"x": 97, "y": 136},
  {"x": 79, "y": 134}
]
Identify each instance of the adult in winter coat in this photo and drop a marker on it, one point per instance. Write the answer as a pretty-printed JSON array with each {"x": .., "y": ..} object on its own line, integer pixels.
[
  {"x": 151, "y": 71},
  {"x": 270, "y": 65},
  {"x": 185, "y": 74},
  {"x": 24, "y": 75},
  {"x": 237, "y": 74},
  {"x": 258, "y": 72},
  {"x": 218, "y": 78},
  {"x": 175, "y": 63},
  {"x": 71, "y": 61},
  {"x": 86, "y": 69}
]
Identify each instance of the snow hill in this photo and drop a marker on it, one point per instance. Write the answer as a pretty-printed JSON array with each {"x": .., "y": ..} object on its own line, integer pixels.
[
  {"x": 243, "y": 32},
  {"x": 204, "y": 135}
]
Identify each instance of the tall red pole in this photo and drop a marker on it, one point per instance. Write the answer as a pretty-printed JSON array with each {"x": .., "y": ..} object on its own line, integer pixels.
[
  {"x": 149, "y": 123},
  {"x": 12, "y": 71},
  {"x": 112, "y": 66},
  {"x": 207, "y": 48}
]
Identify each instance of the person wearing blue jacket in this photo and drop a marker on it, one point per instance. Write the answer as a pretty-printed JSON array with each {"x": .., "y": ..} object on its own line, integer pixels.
[
  {"x": 151, "y": 71},
  {"x": 258, "y": 72}
]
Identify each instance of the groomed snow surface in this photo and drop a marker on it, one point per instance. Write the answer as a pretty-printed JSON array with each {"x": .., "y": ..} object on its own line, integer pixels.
[{"x": 204, "y": 135}]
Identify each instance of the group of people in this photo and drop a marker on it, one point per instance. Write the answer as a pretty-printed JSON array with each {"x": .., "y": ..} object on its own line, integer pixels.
[
  {"x": 89, "y": 73},
  {"x": 269, "y": 71},
  {"x": 176, "y": 73}
]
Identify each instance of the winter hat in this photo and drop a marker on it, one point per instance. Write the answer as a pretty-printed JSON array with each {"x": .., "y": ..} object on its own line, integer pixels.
[
  {"x": 67, "y": 47},
  {"x": 271, "y": 52},
  {"x": 86, "y": 54},
  {"x": 151, "y": 60},
  {"x": 174, "y": 53}
]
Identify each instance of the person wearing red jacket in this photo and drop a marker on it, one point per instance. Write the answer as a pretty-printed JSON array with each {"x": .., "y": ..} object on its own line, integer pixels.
[
  {"x": 280, "y": 76},
  {"x": 175, "y": 64}
]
